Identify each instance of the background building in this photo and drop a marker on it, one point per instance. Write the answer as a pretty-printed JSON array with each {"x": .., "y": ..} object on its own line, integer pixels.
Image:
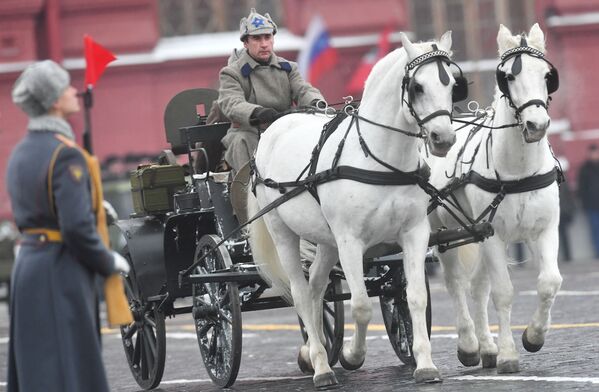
[{"x": 165, "y": 46}]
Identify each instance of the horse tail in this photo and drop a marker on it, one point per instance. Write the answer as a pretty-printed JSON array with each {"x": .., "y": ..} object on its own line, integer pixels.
[{"x": 265, "y": 253}]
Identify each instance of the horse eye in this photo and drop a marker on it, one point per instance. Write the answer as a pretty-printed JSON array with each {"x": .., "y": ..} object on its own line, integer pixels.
[
  {"x": 418, "y": 88},
  {"x": 510, "y": 77}
]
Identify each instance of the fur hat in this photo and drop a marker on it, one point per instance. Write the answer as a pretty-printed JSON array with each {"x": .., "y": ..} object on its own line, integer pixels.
[
  {"x": 256, "y": 24},
  {"x": 39, "y": 86}
]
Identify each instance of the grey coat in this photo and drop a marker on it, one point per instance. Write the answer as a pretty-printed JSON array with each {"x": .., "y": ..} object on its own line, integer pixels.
[
  {"x": 54, "y": 341},
  {"x": 246, "y": 85}
]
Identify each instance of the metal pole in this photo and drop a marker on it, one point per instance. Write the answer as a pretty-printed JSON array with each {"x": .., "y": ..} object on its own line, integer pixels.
[{"x": 87, "y": 132}]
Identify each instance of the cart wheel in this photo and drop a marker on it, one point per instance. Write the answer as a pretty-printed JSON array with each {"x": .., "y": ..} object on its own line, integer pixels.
[
  {"x": 333, "y": 323},
  {"x": 217, "y": 315},
  {"x": 144, "y": 340},
  {"x": 397, "y": 318}
]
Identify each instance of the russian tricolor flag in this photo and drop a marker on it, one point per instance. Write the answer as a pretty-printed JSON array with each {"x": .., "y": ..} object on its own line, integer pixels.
[{"x": 317, "y": 55}]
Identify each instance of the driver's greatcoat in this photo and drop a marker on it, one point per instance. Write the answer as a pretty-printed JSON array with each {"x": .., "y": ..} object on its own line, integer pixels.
[{"x": 246, "y": 85}]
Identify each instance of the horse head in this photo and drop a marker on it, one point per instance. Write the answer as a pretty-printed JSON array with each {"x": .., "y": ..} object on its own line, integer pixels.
[
  {"x": 429, "y": 89},
  {"x": 526, "y": 79}
]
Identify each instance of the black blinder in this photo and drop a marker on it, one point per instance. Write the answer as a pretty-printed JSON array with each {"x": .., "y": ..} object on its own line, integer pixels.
[
  {"x": 502, "y": 82},
  {"x": 552, "y": 80},
  {"x": 460, "y": 89},
  {"x": 412, "y": 90}
]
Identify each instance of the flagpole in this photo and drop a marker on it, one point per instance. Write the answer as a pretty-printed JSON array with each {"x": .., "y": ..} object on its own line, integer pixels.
[{"x": 87, "y": 130}]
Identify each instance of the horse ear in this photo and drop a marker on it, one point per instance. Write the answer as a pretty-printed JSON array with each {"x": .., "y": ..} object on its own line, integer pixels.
[
  {"x": 410, "y": 48},
  {"x": 445, "y": 41},
  {"x": 536, "y": 38},
  {"x": 505, "y": 39}
]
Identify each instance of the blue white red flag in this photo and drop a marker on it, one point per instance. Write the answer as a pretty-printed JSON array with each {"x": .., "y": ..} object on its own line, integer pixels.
[{"x": 317, "y": 56}]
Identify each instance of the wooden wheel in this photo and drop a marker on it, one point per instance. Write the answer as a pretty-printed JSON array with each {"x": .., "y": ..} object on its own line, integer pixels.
[
  {"x": 144, "y": 340},
  {"x": 397, "y": 318},
  {"x": 217, "y": 315},
  {"x": 333, "y": 323}
]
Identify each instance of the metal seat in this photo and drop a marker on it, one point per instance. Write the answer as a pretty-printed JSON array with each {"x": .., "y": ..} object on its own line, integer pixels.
[{"x": 182, "y": 111}]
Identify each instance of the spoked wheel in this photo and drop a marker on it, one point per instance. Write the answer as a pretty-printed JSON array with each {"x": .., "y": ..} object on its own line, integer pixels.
[
  {"x": 144, "y": 340},
  {"x": 397, "y": 318},
  {"x": 333, "y": 322},
  {"x": 217, "y": 315}
]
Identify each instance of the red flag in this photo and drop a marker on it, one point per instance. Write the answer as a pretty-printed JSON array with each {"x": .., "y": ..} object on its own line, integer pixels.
[
  {"x": 96, "y": 58},
  {"x": 356, "y": 83}
]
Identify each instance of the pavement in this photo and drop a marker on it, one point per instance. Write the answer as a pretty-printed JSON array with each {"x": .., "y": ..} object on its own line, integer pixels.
[{"x": 569, "y": 361}]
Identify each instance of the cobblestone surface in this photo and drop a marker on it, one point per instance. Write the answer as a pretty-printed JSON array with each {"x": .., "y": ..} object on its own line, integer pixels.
[{"x": 569, "y": 361}]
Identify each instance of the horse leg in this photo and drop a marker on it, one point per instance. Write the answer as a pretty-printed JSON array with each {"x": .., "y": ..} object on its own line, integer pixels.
[
  {"x": 350, "y": 254},
  {"x": 480, "y": 290},
  {"x": 287, "y": 244},
  {"x": 414, "y": 244},
  {"x": 545, "y": 250},
  {"x": 502, "y": 291},
  {"x": 456, "y": 281},
  {"x": 326, "y": 257}
]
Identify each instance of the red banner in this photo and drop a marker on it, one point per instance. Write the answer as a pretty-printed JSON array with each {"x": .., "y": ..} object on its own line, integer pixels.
[{"x": 97, "y": 59}]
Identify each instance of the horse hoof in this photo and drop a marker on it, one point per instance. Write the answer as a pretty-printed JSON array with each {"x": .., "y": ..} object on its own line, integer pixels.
[
  {"x": 347, "y": 365},
  {"x": 511, "y": 366},
  {"x": 489, "y": 360},
  {"x": 528, "y": 346},
  {"x": 429, "y": 376},
  {"x": 305, "y": 366},
  {"x": 468, "y": 359},
  {"x": 325, "y": 381}
]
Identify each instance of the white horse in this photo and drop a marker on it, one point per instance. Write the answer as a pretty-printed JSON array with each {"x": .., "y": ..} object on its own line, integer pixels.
[
  {"x": 525, "y": 79},
  {"x": 353, "y": 216}
]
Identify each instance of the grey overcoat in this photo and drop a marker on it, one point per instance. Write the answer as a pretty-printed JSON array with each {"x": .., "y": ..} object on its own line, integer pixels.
[{"x": 54, "y": 341}]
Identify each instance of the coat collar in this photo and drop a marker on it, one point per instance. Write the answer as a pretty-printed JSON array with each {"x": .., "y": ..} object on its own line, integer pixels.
[
  {"x": 249, "y": 63},
  {"x": 50, "y": 123}
]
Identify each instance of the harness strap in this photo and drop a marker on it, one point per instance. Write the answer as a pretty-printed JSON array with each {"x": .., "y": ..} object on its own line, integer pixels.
[
  {"x": 327, "y": 130},
  {"x": 351, "y": 173},
  {"x": 515, "y": 186}
]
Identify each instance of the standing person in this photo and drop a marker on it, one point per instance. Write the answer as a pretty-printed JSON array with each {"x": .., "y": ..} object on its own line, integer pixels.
[
  {"x": 54, "y": 340},
  {"x": 256, "y": 87},
  {"x": 567, "y": 210},
  {"x": 588, "y": 191}
]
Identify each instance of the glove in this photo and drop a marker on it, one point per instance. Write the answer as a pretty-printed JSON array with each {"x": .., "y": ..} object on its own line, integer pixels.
[
  {"x": 111, "y": 214},
  {"x": 120, "y": 263},
  {"x": 265, "y": 115}
]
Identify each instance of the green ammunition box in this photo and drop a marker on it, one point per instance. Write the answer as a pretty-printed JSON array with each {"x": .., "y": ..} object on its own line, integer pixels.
[{"x": 153, "y": 187}]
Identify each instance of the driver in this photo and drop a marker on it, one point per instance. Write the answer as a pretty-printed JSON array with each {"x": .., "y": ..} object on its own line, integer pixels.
[{"x": 256, "y": 87}]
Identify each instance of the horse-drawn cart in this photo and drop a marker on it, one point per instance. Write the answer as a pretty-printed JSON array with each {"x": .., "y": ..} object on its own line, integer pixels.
[{"x": 162, "y": 240}]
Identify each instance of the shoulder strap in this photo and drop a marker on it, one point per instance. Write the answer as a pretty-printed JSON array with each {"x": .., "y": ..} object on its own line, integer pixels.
[
  {"x": 50, "y": 174},
  {"x": 93, "y": 168}
]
